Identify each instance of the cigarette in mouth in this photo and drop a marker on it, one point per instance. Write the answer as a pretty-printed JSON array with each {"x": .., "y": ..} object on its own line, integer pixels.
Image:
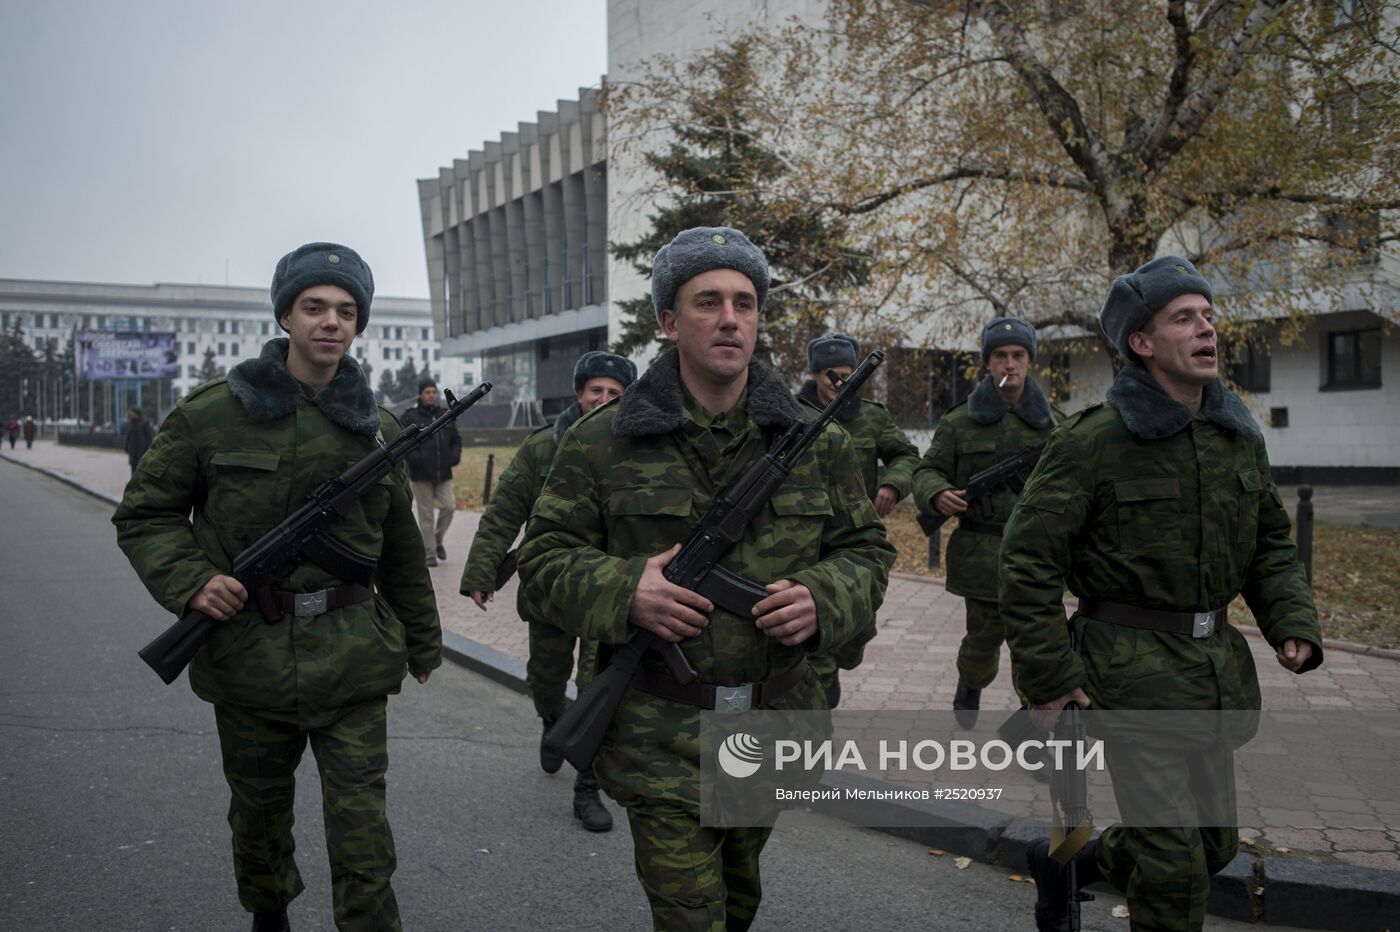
[{"x": 1002, "y": 383}]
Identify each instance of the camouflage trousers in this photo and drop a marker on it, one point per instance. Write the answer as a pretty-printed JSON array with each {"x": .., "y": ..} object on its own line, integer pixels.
[
  {"x": 979, "y": 655},
  {"x": 548, "y": 669},
  {"x": 697, "y": 879},
  {"x": 1165, "y": 871},
  {"x": 260, "y": 759}
]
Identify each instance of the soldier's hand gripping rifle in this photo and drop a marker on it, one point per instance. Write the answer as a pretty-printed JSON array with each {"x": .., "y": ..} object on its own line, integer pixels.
[
  {"x": 580, "y": 730},
  {"x": 303, "y": 536},
  {"x": 1011, "y": 473}
]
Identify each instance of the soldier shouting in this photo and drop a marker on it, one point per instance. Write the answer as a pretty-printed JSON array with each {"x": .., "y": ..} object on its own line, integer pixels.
[{"x": 1157, "y": 509}]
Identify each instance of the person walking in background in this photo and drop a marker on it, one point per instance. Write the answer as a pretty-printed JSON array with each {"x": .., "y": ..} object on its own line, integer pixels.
[
  {"x": 139, "y": 434},
  {"x": 430, "y": 469},
  {"x": 12, "y": 431},
  {"x": 599, "y": 377},
  {"x": 30, "y": 429}
]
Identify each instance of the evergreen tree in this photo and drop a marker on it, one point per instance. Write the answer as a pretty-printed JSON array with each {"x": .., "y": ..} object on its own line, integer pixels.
[
  {"x": 406, "y": 381},
  {"x": 387, "y": 388},
  {"x": 716, "y": 174},
  {"x": 210, "y": 369},
  {"x": 18, "y": 365}
]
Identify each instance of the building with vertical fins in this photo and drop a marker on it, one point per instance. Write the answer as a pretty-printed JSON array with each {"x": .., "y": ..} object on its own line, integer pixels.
[{"x": 516, "y": 242}]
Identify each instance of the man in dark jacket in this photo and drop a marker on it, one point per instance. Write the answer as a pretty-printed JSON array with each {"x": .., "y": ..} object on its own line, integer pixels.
[
  {"x": 430, "y": 469},
  {"x": 139, "y": 434}
]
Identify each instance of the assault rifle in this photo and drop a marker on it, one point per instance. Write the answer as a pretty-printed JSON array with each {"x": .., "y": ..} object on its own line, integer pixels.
[
  {"x": 1011, "y": 473},
  {"x": 302, "y": 536},
  {"x": 580, "y": 730}
]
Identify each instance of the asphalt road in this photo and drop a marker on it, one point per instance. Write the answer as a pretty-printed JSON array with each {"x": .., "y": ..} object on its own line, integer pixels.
[{"x": 112, "y": 801}]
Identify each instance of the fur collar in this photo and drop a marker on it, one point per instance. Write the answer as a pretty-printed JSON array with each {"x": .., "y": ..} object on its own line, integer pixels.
[
  {"x": 655, "y": 403},
  {"x": 269, "y": 392},
  {"x": 1152, "y": 414},
  {"x": 849, "y": 411},
  {"x": 565, "y": 420},
  {"x": 985, "y": 406}
]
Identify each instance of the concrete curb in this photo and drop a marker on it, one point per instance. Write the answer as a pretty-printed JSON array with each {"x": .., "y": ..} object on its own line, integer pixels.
[
  {"x": 1293, "y": 893},
  {"x": 1282, "y": 891},
  {"x": 73, "y": 483}
]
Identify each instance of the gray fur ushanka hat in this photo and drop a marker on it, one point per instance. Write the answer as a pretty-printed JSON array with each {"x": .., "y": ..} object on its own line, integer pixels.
[
  {"x": 1007, "y": 331},
  {"x": 699, "y": 250},
  {"x": 834, "y": 349},
  {"x": 322, "y": 264},
  {"x": 1134, "y": 298},
  {"x": 597, "y": 364}
]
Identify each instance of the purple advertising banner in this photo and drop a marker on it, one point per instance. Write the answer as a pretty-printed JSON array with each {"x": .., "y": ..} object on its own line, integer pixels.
[{"x": 107, "y": 355}]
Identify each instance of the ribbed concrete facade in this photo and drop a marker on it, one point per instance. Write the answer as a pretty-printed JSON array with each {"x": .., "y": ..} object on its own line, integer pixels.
[{"x": 516, "y": 243}]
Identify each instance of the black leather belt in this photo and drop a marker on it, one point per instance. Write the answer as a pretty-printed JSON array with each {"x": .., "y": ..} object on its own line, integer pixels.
[
  {"x": 275, "y": 603},
  {"x": 981, "y": 527},
  {"x": 739, "y": 698},
  {"x": 1193, "y": 624}
]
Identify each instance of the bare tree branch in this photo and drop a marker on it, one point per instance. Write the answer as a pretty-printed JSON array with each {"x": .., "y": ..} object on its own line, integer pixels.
[
  {"x": 1267, "y": 192},
  {"x": 1207, "y": 97},
  {"x": 873, "y": 202},
  {"x": 1185, "y": 61}
]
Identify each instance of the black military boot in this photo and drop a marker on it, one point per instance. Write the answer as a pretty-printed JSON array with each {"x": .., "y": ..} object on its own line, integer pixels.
[
  {"x": 549, "y": 761},
  {"x": 275, "y": 921},
  {"x": 1052, "y": 883},
  {"x": 588, "y": 808},
  {"x": 966, "y": 702}
]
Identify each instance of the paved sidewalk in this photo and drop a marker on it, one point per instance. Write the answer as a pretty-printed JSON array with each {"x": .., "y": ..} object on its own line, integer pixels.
[{"x": 909, "y": 665}]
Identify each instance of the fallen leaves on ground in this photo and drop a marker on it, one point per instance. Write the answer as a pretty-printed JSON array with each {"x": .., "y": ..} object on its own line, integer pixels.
[{"x": 962, "y": 864}]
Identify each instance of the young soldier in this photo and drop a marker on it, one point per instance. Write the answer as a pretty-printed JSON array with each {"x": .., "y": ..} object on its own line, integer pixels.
[
  {"x": 877, "y": 439},
  {"x": 241, "y": 453},
  {"x": 971, "y": 437},
  {"x": 1157, "y": 509},
  {"x": 430, "y": 472},
  {"x": 629, "y": 484},
  {"x": 599, "y": 377}
]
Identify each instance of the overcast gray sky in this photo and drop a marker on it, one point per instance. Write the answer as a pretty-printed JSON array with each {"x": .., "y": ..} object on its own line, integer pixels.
[{"x": 156, "y": 140}]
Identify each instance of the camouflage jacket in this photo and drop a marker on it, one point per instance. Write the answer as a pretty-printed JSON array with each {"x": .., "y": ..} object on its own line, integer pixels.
[
  {"x": 1138, "y": 501},
  {"x": 511, "y": 502},
  {"x": 970, "y": 437},
  {"x": 877, "y": 439},
  {"x": 240, "y": 454},
  {"x": 633, "y": 478}
]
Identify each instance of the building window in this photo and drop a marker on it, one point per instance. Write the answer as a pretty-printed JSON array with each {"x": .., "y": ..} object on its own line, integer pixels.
[
  {"x": 223, "y": 326},
  {"x": 1250, "y": 368},
  {"x": 425, "y": 354},
  {"x": 437, "y": 354},
  {"x": 1354, "y": 359},
  {"x": 398, "y": 352},
  {"x": 189, "y": 347},
  {"x": 425, "y": 333},
  {"x": 233, "y": 326},
  {"x": 222, "y": 349},
  {"x": 388, "y": 353},
  {"x": 53, "y": 321},
  {"x": 234, "y": 350}
]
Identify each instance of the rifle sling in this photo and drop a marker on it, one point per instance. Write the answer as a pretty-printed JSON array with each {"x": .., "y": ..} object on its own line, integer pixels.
[{"x": 703, "y": 695}]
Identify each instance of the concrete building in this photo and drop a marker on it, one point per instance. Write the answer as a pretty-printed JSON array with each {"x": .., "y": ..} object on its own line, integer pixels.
[
  {"x": 516, "y": 241},
  {"x": 232, "y": 322}
]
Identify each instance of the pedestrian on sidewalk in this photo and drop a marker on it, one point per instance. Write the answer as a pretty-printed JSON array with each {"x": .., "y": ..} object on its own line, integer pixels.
[
  {"x": 628, "y": 485},
  {"x": 30, "y": 429},
  {"x": 877, "y": 439},
  {"x": 1005, "y": 413},
  {"x": 1157, "y": 508},
  {"x": 599, "y": 377},
  {"x": 139, "y": 434},
  {"x": 430, "y": 470},
  {"x": 315, "y": 658},
  {"x": 12, "y": 431}
]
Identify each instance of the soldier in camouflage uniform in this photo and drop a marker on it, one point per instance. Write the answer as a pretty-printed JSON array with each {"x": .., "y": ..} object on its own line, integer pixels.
[
  {"x": 877, "y": 439},
  {"x": 599, "y": 377},
  {"x": 241, "y": 453},
  {"x": 971, "y": 437},
  {"x": 629, "y": 484},
  {"x": 1157, "y": 508}
]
